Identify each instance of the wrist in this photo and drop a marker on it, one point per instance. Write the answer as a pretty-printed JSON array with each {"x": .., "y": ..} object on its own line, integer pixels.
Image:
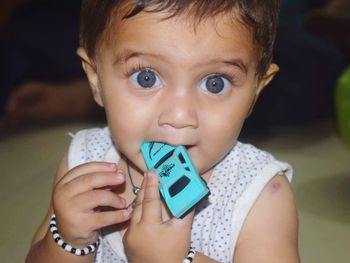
[
  {"x": 190, "y": 256},
  {"x": 68, "y": 247},
  {"x": 72, "y": 235},
  {"x": 46, "y": 250}
]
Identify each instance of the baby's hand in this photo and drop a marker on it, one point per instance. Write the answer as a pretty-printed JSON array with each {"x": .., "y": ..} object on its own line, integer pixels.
[
  {"x": 150, "y": 239},
  {"x": 78, "y": 197}
]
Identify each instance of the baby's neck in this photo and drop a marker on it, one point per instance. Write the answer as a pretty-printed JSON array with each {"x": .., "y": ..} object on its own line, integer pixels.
[{"x": 133, "y": 179}]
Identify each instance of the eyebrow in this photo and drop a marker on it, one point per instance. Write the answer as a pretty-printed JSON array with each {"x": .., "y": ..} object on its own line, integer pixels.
[
  {"x": 127, "y": 54},
  {"x": 236, "y": 62}
]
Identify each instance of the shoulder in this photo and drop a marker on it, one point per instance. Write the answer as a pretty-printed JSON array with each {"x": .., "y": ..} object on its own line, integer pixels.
[
  {"x": 236, "y": 184},
  {"x": 249, "y": 169},
  {"x": 89, "y": 145},
  {"x": 246, "y": 156},
  {"x": 252, "y": 157},
  {"x": 93, "y": 136},
  {"x": 270, "y": 224}
]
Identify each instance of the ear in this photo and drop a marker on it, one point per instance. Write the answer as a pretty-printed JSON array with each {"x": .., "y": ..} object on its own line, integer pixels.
[
  {"x": 266, "y": 79},
  {"x": 91, "y": 73},
  {"x": 262, "y": 83}
]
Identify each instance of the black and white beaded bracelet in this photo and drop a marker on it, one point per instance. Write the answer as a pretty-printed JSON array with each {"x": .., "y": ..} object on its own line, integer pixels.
[
  {"x": 59, "y": 241},
  {"x": 190, "y": 256}
]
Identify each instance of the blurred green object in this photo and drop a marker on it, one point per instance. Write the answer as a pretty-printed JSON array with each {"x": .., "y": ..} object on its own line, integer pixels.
[{"x": 342, "y": 103}]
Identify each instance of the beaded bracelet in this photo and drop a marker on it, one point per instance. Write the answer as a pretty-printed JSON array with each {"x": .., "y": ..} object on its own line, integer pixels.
[
  {"x": 59, "y": 241},
  {"x": 190, "y": 256}
]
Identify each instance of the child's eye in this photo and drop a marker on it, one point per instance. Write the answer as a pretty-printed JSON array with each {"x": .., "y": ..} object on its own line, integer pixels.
[
  {"x": 215, "y": 84},
  {"x": 145, "y": 78}
]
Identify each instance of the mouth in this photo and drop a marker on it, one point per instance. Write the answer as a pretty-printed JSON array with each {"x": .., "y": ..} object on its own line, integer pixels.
[{"x": 188, "y": 147}]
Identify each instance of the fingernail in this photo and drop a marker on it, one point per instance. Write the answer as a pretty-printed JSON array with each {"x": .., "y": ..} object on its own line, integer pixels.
[
  {"x": 126, "y": 214},
  {"x": 149, "y": 173},
  {"x": 112, "y": 166},
  {"x": 120, "y": 176},
  {"x": 121, "y": 173}
]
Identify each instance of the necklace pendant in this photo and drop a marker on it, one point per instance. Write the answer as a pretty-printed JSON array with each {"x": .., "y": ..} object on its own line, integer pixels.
[{"x": 136, "y": 190}]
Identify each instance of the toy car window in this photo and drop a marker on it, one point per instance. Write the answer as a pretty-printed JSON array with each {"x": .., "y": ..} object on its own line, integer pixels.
[
  {"x": 179, "y": 185},
  {"x": 163, "y": 159},
  {"x": 181, "y": 158}
]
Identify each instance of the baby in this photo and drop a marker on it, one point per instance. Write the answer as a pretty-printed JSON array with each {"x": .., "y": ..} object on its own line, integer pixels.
[{"x": 184, "y": 73}]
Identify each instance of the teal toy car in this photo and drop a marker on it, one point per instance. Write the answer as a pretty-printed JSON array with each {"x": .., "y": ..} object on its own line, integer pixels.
[{"x": 179, "y": 182}]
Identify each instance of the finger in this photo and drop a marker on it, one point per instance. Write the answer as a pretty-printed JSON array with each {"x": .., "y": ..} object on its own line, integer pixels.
[
  {"x": 137, "y": 206},
  {"x": 103, "y": 219},
  {"x": 88, "y": 168},
  {"x": 151, "y": 204},
  {"x": 185, "y": 222},
  {"x": 87, "y": 201},
  {"x": 95, "y": 180}
]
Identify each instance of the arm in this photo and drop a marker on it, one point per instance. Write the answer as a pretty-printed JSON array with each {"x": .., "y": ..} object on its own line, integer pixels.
[
  {"x": 43, "y": 248},
  {"x": 76, "y": 194},
  {"x": 270, "y": 232}
]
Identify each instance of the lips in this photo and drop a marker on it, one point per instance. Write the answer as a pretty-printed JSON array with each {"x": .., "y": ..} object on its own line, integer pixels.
[
  {"x": 188, "y": 147},
  {"x": 174, "y": 143}
]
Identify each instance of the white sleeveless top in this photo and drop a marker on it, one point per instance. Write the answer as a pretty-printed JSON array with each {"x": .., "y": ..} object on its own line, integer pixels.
[{"x": 235, "y": 184}]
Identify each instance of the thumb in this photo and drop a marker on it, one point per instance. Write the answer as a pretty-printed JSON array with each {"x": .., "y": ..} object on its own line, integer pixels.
[
  {"x": 185, "y": 222},
  {"x": 151, "y": 206}
]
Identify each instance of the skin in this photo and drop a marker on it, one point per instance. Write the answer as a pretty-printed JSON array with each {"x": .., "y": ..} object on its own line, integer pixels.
[{"x": 177, "y": 110}]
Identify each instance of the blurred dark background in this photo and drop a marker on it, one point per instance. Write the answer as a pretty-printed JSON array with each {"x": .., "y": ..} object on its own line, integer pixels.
[
  {"x": 310, "y": 61},
  {"x": 42, "y": 81}
]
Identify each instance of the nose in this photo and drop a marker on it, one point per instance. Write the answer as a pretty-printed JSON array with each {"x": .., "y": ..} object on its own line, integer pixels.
[{"x": 179, "y": 111}]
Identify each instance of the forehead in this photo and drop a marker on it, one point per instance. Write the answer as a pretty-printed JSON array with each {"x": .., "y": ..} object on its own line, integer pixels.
[{"x": 181, "y": 37}]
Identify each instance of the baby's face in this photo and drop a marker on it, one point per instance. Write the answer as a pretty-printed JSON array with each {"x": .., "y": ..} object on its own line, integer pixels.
[{"x": 163, "y": 80}]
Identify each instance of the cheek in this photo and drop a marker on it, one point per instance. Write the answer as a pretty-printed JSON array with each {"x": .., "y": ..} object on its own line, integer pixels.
[
  {"x": 222, "y": 128},
  {"x": 126, "y": 121},
  {"x": 131, "y": 121},
  {"x": 221, "y": 135},
  {"x": 226, "y": 120}
]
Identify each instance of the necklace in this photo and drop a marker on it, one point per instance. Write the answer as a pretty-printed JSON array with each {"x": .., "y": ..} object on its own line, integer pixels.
[{"x": 135, "y": 189}]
